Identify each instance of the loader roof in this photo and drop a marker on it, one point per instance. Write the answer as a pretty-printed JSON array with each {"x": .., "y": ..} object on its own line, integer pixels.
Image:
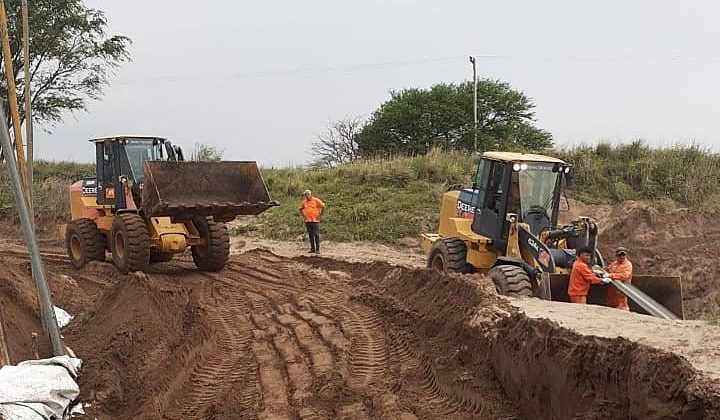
[
  {"x": 521, "y": 157},
  {"x": 127, "y": 136}
]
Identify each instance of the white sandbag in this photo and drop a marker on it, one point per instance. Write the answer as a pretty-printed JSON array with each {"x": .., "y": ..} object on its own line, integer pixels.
[
  {"x": 38, "y": 389},
  {"x": 62, "y": 316}
]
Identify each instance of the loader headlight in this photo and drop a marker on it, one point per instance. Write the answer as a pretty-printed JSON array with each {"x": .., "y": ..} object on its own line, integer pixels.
[
  {"x": 516, "y": 167},
  {"x": 567, "y": 169},
  {"x": 523, "y": 166}
]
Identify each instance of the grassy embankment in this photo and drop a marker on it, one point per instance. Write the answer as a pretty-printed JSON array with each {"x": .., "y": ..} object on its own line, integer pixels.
[{"x": 386, "y": 200}]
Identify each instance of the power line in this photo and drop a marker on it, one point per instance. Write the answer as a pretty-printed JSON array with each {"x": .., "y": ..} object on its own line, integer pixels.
[{"x": 389, "y": 65}]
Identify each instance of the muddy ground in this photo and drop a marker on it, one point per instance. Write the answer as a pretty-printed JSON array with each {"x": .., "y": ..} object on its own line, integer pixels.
[{"x": 284, "y": 335}]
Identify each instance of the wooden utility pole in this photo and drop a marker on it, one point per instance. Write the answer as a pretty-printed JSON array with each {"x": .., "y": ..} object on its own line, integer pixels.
[
  {"x": 4, "y": 353},
  {"x": 28, "y": 102},
  {"x": 12, "y": 99}
]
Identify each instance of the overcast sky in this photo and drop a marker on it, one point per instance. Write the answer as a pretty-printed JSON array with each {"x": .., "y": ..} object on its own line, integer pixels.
[{"x": 259, "y": 79}]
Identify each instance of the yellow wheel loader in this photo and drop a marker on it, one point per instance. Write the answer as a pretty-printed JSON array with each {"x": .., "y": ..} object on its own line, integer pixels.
[
  {"x": 146, "y": 204},
  {"x": 506, "y": 226}
]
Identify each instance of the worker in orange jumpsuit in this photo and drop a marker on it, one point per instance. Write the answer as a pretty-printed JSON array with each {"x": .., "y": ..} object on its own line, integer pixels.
[
  {"x": 582, "y": 276},
  {"x": 619, "y": 270}
]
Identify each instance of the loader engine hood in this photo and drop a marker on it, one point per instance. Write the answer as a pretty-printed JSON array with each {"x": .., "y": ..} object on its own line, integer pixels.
[{"x": 187, "y": 189}]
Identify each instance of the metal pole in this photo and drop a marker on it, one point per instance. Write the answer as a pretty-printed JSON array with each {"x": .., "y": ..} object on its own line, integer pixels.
[
  {"x": 28, "y": 107},
  {"x": 47, "y": 311},
  {"x": 475, "y": 102},
  {"x": 12, "y": 98}
]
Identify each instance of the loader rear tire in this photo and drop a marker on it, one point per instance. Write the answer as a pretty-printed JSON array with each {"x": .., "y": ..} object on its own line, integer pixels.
[
  {"x": 130, "y": 243},
  {"x": 215, "y": 253},
  {"x": 511, "y": 280},
  {"x": 84, "y": 242},
  {"x": 449, "y": 254}
]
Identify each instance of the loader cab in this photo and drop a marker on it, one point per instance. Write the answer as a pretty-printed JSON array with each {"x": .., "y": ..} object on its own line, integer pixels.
[
  {"x": 523, "y": 186},
  {"x": 121, "y": 160}
]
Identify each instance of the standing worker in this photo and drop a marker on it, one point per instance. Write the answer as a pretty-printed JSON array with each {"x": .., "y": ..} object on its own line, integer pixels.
[
  {"x": 311, "y": 209},
  {"x": 619, "y": 270},
  {"x": 582, "y": 276}
]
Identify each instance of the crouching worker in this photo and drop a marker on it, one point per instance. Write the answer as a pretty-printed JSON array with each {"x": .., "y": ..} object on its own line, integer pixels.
[{"x": 582, "y": 276}]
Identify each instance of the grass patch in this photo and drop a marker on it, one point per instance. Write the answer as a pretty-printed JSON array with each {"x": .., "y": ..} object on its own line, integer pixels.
[
  {"x": 375, "y": 200},
  {"x": 686, "y": 175},
  {"x": 243, "y": 229},
  {"x": 50, "y": 185}
]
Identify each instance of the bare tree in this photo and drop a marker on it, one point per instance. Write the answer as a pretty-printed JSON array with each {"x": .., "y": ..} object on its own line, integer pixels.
[
  {"x": 338, "y": 145},
  {"x": 203, "y": 152}
]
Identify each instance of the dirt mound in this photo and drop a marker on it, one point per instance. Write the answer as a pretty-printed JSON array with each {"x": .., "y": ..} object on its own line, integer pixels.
[{"x": 470, "y": 334}]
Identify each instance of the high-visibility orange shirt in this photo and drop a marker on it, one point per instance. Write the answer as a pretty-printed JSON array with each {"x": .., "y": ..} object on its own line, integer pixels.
[
  {"x": 621, "y": 272},
  {"x": 311, "y": 209},
  {"x": 581, "y": 277}
]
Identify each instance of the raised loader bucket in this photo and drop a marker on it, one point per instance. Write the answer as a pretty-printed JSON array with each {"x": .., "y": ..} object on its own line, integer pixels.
[
  {"x": 220, "y": 189},
  {"x": 665, "y": 291}
]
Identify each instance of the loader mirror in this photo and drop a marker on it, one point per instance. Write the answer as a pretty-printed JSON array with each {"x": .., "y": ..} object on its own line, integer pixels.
[
  {"x": 569, "y": 178},
  {"x": 170, "y": 151}
]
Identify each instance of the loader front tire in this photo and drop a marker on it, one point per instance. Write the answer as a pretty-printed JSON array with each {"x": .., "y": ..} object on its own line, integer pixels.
[
  {"x": 449, "y": 254},
  {"x": 130, "y": 243},
  {"x": 511, "y": 280},
  {"x": 214, "y": 254},
  {"x": 84, "y": 242}
]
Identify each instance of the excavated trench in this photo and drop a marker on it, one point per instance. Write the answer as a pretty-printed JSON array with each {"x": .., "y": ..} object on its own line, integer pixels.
[{"x": 275, "y": 337}]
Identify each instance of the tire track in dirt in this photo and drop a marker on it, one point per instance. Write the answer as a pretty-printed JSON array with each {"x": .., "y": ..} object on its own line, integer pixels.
[
  {"x": 222, "y": 361},
  {"x": 368, "y": 354},
  {"x": 444, "y": 398},
  {"x": 275, "y": 385},
  {"x": 270, "y": 337},
  {"x": 359, "y": 339}
]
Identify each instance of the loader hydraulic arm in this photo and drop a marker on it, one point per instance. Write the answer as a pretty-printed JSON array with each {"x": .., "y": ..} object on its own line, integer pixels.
[{"x": 540, "y": 252}]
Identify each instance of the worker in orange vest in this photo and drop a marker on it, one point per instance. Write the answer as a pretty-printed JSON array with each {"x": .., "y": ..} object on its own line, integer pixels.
[
  {"x": 582, "y": 276},
  {"x": 311, "y": 209},
  {"x": 619, "y": 270}
]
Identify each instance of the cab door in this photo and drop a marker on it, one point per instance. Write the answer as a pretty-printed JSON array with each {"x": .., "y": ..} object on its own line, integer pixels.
[
  {"x": 489, "y": 218},
  {"x": 105, "y": 177}
]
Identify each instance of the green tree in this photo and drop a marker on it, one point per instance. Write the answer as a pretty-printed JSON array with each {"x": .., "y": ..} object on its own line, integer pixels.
[
  {"x": 71, "y": 56},
  {"x": 416, "y": 120}
]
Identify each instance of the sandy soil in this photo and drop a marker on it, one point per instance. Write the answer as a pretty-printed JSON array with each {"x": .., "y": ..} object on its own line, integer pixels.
[{"x": 407, "y": 255}]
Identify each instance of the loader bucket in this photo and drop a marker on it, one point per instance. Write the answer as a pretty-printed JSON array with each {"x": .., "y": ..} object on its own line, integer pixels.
[
  {"x": 221, "y": 189},
  {"x": 667, "y": 290},
  {"x": 664, "y": 290}
]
